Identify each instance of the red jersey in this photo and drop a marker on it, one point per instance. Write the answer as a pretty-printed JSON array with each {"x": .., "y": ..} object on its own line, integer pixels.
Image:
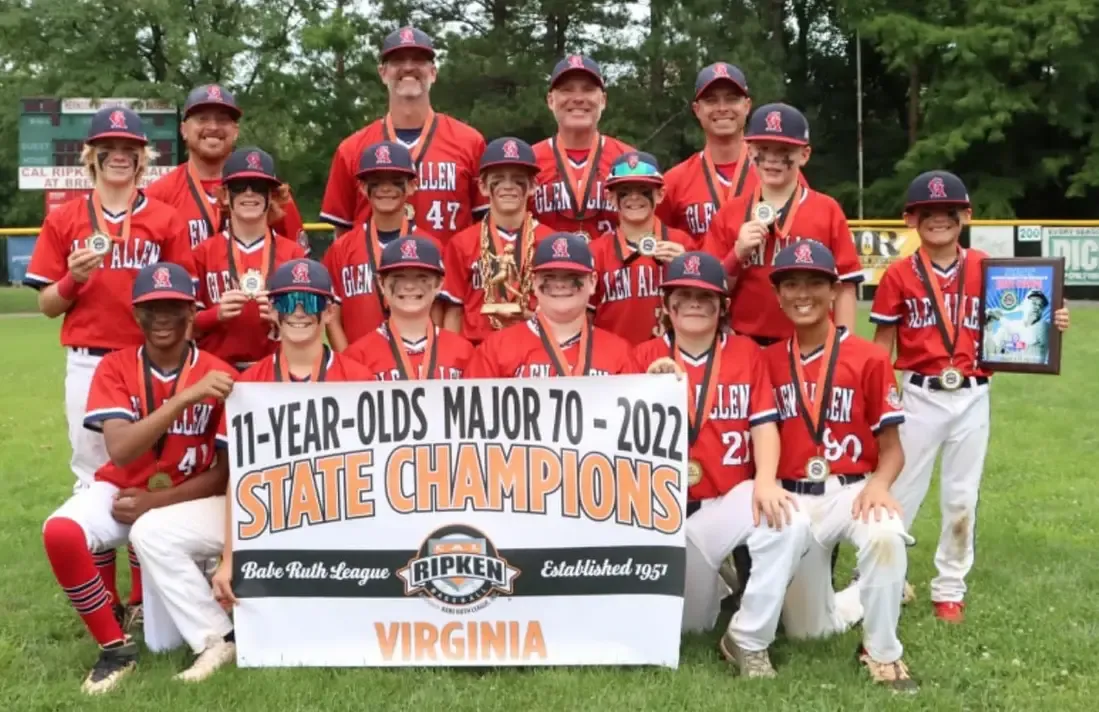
[
  {"x": 864, "y": 399},
  {"x": 102, "y": 315},
  {"x": 374, "y": 351},
  {"x": 693, "y": 194},
  {"x": 353, "y": 279},
  {"x": 754, "y": 310},
  {"x": 247, "y": 337},
  {"x": 463, "y": 284},
  {"x": 554, "y": 202},
  {"x": 743, "y": 399},
  {"x": 447, "y": 192},
  {"x": 627, "y": 297},
  {"x": 118, "y": 391},
  {"x": 901, "y": 300},
  {"x": 174, "y": 188},
  {"x": 518, "y": 352}
]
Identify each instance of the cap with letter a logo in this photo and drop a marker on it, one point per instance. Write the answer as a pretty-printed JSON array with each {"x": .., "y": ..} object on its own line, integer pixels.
[
  {"x": 211, "y": 96},
  {"x": 408, "y": 38},
  {"x": 563, "y": 251},
  {"x": 804, "y": 256},
  {"x": 579, "y": 64},
  {"x": 509, "y": 151},
  {"x": 116, "y": 122},
  {"x": 386, "y": 157},
  {"x": 163, "y": 281},
  {"x": 781, "y": 123},
  {"x": 301, "y": 275},
  {"x": 936, "y": 188},
  {"x": 249, "y": 163},
  {"x": 411, "y": 252},
  {"x": 700, "y": 270},
  {"x": 720, "y": 73}
]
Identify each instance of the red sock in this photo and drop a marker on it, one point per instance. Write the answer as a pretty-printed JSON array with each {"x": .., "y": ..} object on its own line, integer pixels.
[
  {"x": 105, "y": 563},
  {"x": 67, "y": 549},
  {"x": 135, "y": 577}
]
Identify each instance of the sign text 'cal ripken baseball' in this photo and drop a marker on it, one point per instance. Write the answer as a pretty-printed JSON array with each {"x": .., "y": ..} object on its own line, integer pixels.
[{"x": 463, "y": 523}]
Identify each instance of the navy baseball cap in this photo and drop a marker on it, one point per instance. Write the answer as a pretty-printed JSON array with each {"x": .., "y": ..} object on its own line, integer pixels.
[
  {"x": 936, "y": 188},
  {"x": 634, "y": 167},
  {"x": 301, "y": 275},
  {"x": 720, "y": 72},
  {"x": 210, "y": 96},
  {"x": 408, "y": 38},
  {"x": 577, "y": 63},
  {"x": 386, "y": 157},
  {"x": 117, "y": 122},
  {"x": 564, "y": 251},
  {"x": 509, "y": 151},
  {"x": 695, "y": 269},
  {"x": 778, "y": 122},
  {"x": 804, "y": 256},
  {"x": 163, "y": 280},
  {"x": 249, "y": 163},
  {"x": 411, "y": 251}
]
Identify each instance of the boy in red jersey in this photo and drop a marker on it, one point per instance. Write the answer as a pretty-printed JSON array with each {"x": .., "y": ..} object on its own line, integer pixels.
[
  {"x": 630, "y": 260},
  {"x": 408, "y": 346},
  {"x": 559, "y": 339},
  {"x": 749, "y": 231},
  {"x": 234, "y": 322},
  {"x": 569, "y": 196},
  {"x": 209, "y": 129},
  {"x": 928, "y": 306},
  {"x": 387, "y": 177},
  {"x": 157, "y": 407},
  {"x": 508, "y": 168},
  {"x": 734, "y": 452},
  {"x": 840, "y": 411},
  {"x": 444, "y": 150}
]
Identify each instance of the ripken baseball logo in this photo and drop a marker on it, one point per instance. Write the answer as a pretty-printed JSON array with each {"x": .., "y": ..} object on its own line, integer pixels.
[{"x": 459, "y": 567}]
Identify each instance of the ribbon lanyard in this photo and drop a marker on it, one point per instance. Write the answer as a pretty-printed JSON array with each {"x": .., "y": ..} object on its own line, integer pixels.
[
  {"x": 574, "y": 185},
  {"x": 316, "y": 375},
  {"x": 948, "y": 330},
  {"x": 812, "y": 409},
  {"x": 719, "y": 194},
  {"x": 148, "y": 393},
  {"x": 784, "y": 221},
  {"x": 557, "y": 355},
  {"x": 403, "y": 359},
  {"x": 698, "y": 409},
  {"x": 236, "y": 257},
  {"x": 211, "y": 214},
  {"x": 99, "y": 220},
  {"x": 419, "y": 151}
]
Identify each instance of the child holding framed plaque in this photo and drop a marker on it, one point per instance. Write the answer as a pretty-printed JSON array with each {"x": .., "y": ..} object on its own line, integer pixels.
[{"x": 928, "y": 306}]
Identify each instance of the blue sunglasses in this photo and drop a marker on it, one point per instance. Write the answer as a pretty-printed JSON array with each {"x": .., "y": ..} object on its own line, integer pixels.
[
  {"x": 287, "y": 302},
  {"x": 624, "y": 170}
]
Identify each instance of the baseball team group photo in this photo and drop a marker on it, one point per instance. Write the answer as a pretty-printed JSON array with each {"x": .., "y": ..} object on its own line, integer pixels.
[{"x": 564, "y": 417}]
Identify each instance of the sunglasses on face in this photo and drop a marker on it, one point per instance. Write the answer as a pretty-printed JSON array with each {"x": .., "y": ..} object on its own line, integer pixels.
[
  {"x": 256, "y": 185},
  {"x": 288, "y": 302}
]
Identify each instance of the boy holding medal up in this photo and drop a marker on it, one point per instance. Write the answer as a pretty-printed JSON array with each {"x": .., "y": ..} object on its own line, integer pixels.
[
  {"x": 235, "y": 321},
  {"x": 630, "y": 260},
  {"x": 387, "y": 178}
]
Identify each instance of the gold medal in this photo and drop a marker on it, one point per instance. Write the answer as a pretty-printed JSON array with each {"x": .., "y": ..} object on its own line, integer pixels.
[
  {"x": 817, "y": 469},
  {"x": 951, "y": 378},
  {"x": 160, "y": 481},
  {"x": 409, "y": 211},
  {"x": 764, "y": 213},
  {"x": 694, "y": 472},
  {"x": 646, "y": 246},
  {"x": 251, "y": 282},
  {"x": 99, "y": 243}
]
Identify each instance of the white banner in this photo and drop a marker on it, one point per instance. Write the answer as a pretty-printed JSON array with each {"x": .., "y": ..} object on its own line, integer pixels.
[
  {"x": 994, "y": 240},
  {"x": 462, "y": 523},
  {"x": 73, "y": 177}
]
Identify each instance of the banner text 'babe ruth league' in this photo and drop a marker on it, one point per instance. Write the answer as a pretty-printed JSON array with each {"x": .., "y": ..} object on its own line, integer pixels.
[{"x": 464, "y": 523}]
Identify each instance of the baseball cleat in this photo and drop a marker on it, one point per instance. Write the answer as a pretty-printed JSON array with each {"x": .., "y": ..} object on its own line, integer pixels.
[
  {"x": 949, "y": 611},
  {"x": 135, "y": 618},
  {"x": 115, "y": 662},
  {"x": 909, "y": 594},
  {"x": 218, "y": 652},
  {"x": 751, "y": 663},
  {"x": 893, "y": 675}
]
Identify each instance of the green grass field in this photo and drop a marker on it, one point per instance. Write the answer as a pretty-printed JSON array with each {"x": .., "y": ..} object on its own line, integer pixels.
[
  {"x": 1029, "y": 641},
  {"x": 18, "y": 300}
]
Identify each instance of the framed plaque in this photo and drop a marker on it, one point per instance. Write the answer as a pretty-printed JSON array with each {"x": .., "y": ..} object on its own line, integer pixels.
[{"x": 1018, "y": 298}]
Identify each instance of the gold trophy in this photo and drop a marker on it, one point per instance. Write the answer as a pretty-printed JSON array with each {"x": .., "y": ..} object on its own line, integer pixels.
[{"x": 501, "y": 270}]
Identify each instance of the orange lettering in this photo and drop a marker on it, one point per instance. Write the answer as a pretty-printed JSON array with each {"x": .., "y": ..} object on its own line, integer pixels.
[
  {"x": 507, "y": 476},
  {"x": 252, "y": 505},
  {"x": 597, "y": 486},
  {"x": 305, "y": 505},
  {"x": 665, "y": 483},
  {"x": 469, "y": 481},
  {"x": 635, "y": 494},
  {"x": 432, "y": 478},
  {"x": 359, "y": 484},
  {"x": 545, "y": 477},
  {"x": 330, "y": 468},
  {"x": 276, "y": 478},
  {"x": 394, "y": 492}
]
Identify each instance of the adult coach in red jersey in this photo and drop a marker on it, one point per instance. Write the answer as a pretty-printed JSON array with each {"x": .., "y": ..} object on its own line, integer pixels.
[
  {"x": 387, "y": 177},
  {"x": 733, "y": 497},
  {"x": 569, "y": 194},
  {"x": 749, "y": 231},
  {"x": 409, "y": 346},
  {"x": 157, "y": 406},
  {"x": 210, "y": 128},
  {"x": 630, "y": 260},
  {"x": 445, "y": 150},
  {"x": 559, "y": 339},
  {"x": 235, "y": 321},
  {"x": 508, "y": 231},
  {"x": 840, "y": 410}
]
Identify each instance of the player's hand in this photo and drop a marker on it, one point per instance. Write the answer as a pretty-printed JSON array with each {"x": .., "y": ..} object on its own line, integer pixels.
[
  {"x": 774, "y": 504},
  {"x": 751, "y": 236},
  {"x": 215, "y": 384},
  {"x": 129, "y": 504},
  {"x": 266, "y": 311},
  {"x": 666, "y": 365},
  {"x": 222, "y": 584},
  {"x": 872, "y": 500},
  {"x": 232, "y": 304},
  {"x": 82, "y": 263},
  {"x": 1060, "y": 319},
  {"x": 666, "y": 251}
]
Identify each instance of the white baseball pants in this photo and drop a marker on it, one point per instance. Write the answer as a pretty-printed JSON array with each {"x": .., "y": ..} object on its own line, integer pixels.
[
  {"x": 720, "y": 525},
  {"x": 810, "y": 608},
  {"x": 89, "y": 452},
  {"x": 957, "y": 422},
  {"x": 173, "y": 544},
  {"x": 90, "y": 507}
]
